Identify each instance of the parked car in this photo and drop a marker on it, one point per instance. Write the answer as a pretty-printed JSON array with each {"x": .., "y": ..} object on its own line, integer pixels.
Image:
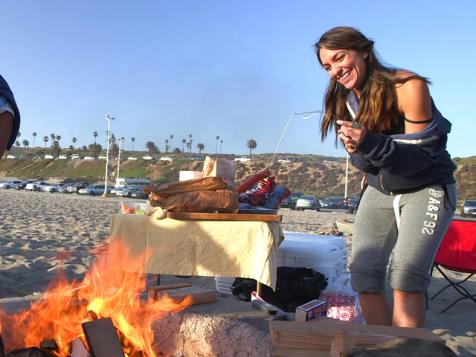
[
  {"x": 290, "y": 202},
  {"x": 75, "y": 187},
  {"x": 468, "y": 208},
  {"x": 22, "y": 185},
  {"x": 127, "y": 191},
  {"x": 333, "y": 202},
  {"x": 139, "y": 194},
  {"x": 242, "y": 159},
  {"x": 93, "y": 190},
  {"x": 64, "y": 187},
  {"x": 351, "y": 203},
  {"x": 308, "y": 202},
  {"x": 51, "y": 187},
  {"x": 9, "y": 184},
  {"x": 35, "y": 186},
  {"x": 166, "y": 158}
]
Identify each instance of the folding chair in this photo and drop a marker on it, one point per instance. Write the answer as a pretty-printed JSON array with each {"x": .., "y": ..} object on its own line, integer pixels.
[{"x": 457, "y": 252}]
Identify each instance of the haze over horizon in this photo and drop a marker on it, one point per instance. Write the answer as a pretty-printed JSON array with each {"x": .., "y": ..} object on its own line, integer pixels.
[{"x": 211, "y": 68}]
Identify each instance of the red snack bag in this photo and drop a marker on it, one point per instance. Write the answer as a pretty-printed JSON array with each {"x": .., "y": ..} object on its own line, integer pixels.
[{"x": 251, "y": 181}]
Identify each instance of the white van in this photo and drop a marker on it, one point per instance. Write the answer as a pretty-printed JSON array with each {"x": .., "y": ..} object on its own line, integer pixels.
[{"x": 122, "y": 183}]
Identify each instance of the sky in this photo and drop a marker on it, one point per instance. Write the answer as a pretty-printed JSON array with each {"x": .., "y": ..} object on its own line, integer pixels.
[{"x": 227, "y": 68}]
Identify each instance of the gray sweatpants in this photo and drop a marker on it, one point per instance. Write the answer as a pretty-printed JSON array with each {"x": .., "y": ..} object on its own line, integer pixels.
[{"x": 411, "y": 225}]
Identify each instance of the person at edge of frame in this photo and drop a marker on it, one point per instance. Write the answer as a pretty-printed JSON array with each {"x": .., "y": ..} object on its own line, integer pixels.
[
  {"x": 387, "y": 121},
  {"x": 9, "y": 117}
]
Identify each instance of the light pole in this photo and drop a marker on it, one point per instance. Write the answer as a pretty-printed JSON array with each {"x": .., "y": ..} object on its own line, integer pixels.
[
  {"x": 108, "y": 134},
  {"x": 346, "y": 173},
  {"x": 121, "y": 141},
  {"x": 302, "y": 115}
]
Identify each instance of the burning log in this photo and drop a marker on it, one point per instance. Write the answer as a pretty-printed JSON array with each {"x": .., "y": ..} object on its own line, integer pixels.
[
  {"x": 102, "y": 338},
  {"x": 49, "y": 346},
  {"x": 29, "y": 352}
]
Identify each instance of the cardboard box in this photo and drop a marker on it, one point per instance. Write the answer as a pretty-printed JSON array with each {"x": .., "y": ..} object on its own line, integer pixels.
[{"x": 311, "y": 310}]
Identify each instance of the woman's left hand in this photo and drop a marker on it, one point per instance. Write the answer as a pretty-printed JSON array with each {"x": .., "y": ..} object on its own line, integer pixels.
[{"x": 351, "y": 137}]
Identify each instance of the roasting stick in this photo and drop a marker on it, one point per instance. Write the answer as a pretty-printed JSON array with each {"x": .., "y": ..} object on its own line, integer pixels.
[{"x": 303, "y": 115}]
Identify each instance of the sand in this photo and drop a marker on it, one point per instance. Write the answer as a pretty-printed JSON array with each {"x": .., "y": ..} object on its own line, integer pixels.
[{"x": 43, "y": 234}]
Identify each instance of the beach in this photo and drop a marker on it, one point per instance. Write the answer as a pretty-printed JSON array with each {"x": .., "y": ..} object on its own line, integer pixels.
[{"x": 43, "y": 234}]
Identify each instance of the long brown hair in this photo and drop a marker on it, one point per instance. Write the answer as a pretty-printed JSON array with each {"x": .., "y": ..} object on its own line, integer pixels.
[{"x": 378, "y": 107}]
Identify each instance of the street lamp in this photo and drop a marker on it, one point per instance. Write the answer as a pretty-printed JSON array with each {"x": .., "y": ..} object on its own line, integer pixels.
[
  {"x": 346, "y": 173},
  {"x": 121, "y": 141},
  {"x": 108, "y": 134},
  {"x": 302, "y": 115}
]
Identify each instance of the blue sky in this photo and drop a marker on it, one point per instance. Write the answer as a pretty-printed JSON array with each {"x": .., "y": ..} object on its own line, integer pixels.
[{"x": 234, "y": 69}]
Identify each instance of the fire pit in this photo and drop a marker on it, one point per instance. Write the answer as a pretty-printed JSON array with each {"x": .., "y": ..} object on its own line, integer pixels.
[{"x": 109, "y": 302}]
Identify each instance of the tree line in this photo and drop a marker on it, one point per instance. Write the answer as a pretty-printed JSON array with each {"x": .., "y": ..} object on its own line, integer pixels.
[{"x": 115, "y": 144}]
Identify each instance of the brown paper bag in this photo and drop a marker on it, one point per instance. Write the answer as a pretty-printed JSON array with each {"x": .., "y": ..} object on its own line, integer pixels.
[
  {"x": 220, "y": 167},
  {"x": 222, "y": 201}
]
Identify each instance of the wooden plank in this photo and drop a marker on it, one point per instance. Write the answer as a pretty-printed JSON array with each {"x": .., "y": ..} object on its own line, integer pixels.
[
  {"x": 199, "y": 294},
  {"x": 286, "y": 352},
  {"x": 320, "y": 333},
  {"x": 225, "y": 216},
  {"x": 152, "y": 290}
]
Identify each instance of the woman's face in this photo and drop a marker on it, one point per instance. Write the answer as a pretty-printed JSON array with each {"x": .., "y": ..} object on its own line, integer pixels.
[{"x": 345, "y": 66}]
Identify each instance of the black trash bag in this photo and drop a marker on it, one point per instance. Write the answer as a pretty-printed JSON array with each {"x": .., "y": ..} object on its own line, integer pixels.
[
  {"x": 294, "y": 287},
  {"x": 242, "y": 288}
]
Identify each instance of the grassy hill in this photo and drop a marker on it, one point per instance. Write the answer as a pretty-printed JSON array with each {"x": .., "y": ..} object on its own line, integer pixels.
[{"x": 312, "y": 174}]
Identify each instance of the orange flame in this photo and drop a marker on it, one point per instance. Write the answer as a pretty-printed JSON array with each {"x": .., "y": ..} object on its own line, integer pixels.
[{"x": 109, "y": 289}]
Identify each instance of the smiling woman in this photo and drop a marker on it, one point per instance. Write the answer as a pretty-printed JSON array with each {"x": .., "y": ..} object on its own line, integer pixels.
[{"x": 387, "y": 122}]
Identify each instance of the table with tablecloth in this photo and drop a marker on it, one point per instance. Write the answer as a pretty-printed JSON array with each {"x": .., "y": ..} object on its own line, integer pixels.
[{"x": 214, "y": 248}]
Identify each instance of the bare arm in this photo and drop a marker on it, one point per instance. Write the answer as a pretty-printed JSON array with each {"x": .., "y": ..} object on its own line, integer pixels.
[
  {"x": 414, "y": 103},
  {"x": 6, "y": 124}
]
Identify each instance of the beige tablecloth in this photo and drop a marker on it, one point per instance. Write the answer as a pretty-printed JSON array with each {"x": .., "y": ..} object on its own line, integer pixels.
[{"x": 244, "y": 249}]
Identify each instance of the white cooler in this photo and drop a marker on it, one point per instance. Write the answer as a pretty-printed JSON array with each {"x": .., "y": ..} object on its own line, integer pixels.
[
  {"x": 223, "y": 285},
  {"x": 325, "y": 254},
  {"x": 337, "y": 241}
]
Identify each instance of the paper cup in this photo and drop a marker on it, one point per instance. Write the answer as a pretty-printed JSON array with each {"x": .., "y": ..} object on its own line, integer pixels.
[{"x": 189, "y": 175}]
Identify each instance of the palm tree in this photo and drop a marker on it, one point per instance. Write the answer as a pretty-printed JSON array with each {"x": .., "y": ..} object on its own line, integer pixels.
[
  {"x": 18, "y": 135},
  {"x": 151, "y": 147},
  {"x": 58, "y": 138},
  {"x": 53, "y": 137},
  {"x": 221, "y": 145},
  {"x": 95, "y": 134},
  {"x": 45, "y": 139},
  {"x": 34, "y": 136},
  {"x": 251, "y": 144},
  {"x": 190, "y": 143},
  {"x": 25, "y": 143},
  {"x": 166, "y": 145},
  {"x": 74, "y": 141},
  {"x": 216, "y": 145},
  {"x": 183, "y": 144},
  {"x": 171, "y": 142},
  {"x": 132, "y": 143},
  {"x": 200, "y": 148}
]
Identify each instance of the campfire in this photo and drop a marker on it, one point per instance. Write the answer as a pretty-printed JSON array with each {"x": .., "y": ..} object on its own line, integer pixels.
[{"x": 73, "y": 316}]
